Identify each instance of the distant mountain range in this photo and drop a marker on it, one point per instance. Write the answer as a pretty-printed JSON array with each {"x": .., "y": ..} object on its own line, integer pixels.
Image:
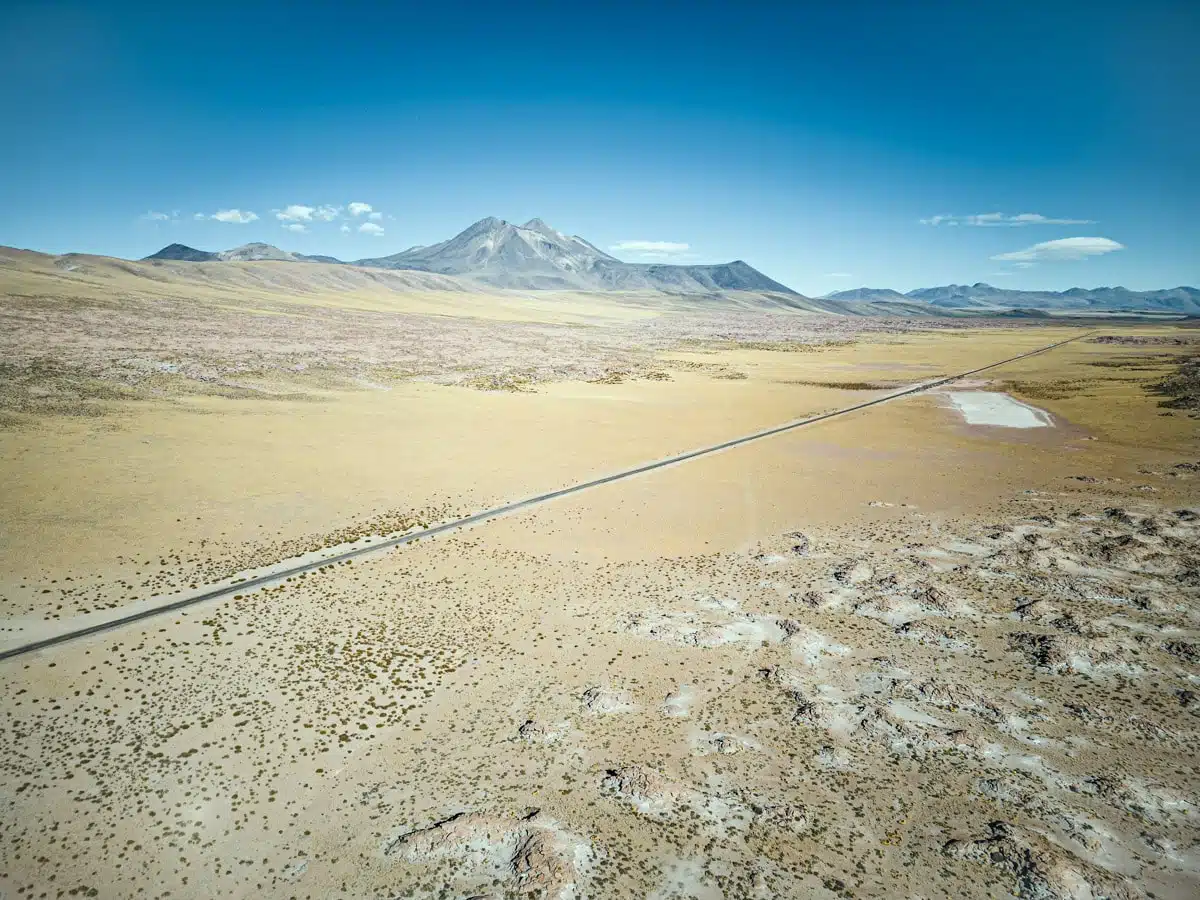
[
  {"x": 983, "y": 297},
  {"x": 532, "y": 256},
  {"x": 244, "y": 253},
  {"x": 535, "y": 256}
]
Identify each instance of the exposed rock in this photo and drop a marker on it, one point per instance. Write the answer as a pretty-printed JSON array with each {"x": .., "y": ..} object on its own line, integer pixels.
[
  {"x": 1143, "y": 801},
  {"x": 535, "y": 732},
  {"x": 726, "y": 744},
  {"x": 706, "y": 629},
  {"x": 951, "y": 696},
  {"x": 793, "y": 817},
  {"x": 1188, "y": 651},
  {"x": 1041, "y": 870},
  {"x": 944, "y": 636},
  {"x": 800, "y": 544},
  {"x": 646, "y": 790},
  {"x": 814, "y": 599},
  {"x": 853, "y": 572},
  {"x": 1038, "y": 611},
  {"x": 532, "y": 850},
  {"x": 604, "y": 701},
  {"x": 1067, "y": 653}
]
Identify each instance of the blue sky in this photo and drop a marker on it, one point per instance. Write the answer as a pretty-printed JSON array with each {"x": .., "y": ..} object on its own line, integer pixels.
[{"x": 820, "y": 142}]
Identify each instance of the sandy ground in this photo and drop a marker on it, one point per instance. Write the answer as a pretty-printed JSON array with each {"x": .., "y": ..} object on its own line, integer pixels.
[
  {"x": 892, "y": 655},
  {"x": 129, "y": 503}
]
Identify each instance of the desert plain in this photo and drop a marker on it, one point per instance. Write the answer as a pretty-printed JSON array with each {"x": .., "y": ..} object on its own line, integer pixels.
[{"x": 891, "y": 654}]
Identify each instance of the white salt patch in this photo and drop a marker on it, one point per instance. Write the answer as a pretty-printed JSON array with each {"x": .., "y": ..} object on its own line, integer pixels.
[
  {"x": 906, "y": 713},
  {"x": 992, "y": 408},
  {"x": 679, "y": 704},
  {"x": 748, "y": 631},
  {"x": 725, "y": 603},
  {"x": 812, "y": 645}
]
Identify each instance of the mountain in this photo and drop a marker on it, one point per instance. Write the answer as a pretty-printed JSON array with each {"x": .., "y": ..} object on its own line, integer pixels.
[
  {"x": 536, "y": 256},
  {"x": 256, "y": 251},
  {"x": 183, "y": 252},
  {"x": 959, "y": 296},
  {"x": 982, "y": 296},
  {"x": 873, "y": 295},
  {"x": 244, "y": 253}
]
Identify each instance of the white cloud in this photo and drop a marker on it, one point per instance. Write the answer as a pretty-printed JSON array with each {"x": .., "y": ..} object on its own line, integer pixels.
[
  {"x": 1063, "y": 249},
  {"x": 199, "y": 216},
  {"x": 237, "y": 216},
  {"x": 652, "y": 249},
  {"x": 345, "y": 229},
  {"x": 358, "y": 208},
  {"x": 153, "y": 216},
  {"x": 295, "y": 226},
  {"x": 837, "y": 275},
  {"x": 298, "y": 212},
  {"x": 371, "y": 228},
  {"x": 295, "y": 213},
  {"x": 375, "y": 216},
  {"x": 996, "y": 219}
]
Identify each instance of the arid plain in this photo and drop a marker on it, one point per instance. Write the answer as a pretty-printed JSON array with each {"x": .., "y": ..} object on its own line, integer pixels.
[{"x": 891, "y": 654}]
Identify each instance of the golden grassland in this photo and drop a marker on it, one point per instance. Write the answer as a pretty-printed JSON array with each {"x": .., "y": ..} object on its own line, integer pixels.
[{"x": 150, "y": 477}]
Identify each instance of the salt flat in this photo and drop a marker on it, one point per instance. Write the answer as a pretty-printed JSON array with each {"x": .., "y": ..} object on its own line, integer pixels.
[{"x": 1001, "y": 410}]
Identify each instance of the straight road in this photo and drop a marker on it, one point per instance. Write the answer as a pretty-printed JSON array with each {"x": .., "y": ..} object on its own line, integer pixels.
[{"x": 250, "y": 584}]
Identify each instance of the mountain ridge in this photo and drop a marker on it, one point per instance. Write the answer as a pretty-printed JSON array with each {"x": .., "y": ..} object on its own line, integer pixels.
[
  {"x": 533, "y": 256},
  {"x": 537, "y": 256},
  {"x": 983, "y": 297}
]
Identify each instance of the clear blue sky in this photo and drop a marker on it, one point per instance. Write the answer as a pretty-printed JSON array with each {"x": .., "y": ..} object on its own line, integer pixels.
[{"x": 809, "y": 139}]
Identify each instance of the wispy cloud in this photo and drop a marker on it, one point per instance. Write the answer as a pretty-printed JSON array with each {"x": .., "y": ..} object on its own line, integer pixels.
[
  {"x": 327, "y": 213},
  {"x": 651, "y": 246},
  {"x": 996, "y": 219},
  {"x": 237, "y": 216},
  {"x": 838, "y": 275},
  {"x": 375, "y": 216},
  {"x": 654, "y": 249},
  {"x": 295, "y": 226},
  {"x": 1061, "y": 250},
  {"x": 358, "y": 208},
  {"x": 371, "y": 228},
  {"x": 153, "y": 216},
  {"x": 199, "y": 216},
  {"x": 345, "y": 229}
]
